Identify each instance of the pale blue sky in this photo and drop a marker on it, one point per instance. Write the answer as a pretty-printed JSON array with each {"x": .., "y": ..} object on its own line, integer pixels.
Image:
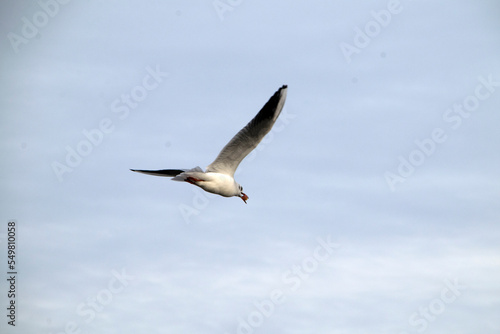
[{"x": 373, "y": 202}]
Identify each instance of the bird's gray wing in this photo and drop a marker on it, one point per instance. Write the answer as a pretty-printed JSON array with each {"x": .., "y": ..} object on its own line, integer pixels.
[
  {"x": 161, "y": 172},
  {"x": 250, "y": 136}
]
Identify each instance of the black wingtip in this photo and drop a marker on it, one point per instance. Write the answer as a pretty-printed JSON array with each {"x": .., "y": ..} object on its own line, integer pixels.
[{"x": 160, "y": 172}]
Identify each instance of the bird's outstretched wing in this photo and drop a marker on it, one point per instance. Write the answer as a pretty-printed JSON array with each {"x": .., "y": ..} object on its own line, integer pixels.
[
  {"x": 161, "y": 172},
  {"x": 250, "y": 136}
]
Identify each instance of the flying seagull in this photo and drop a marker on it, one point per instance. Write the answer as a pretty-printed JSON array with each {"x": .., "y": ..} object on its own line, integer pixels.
[{"x": 218, "y": 178}]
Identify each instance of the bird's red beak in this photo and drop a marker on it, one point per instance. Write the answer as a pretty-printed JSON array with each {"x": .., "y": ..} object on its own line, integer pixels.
[{"x": 244, "y": 197}]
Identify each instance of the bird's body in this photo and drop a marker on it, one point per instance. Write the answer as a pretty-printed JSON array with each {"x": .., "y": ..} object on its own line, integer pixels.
[
  {"x": 215, "y": 183},
  {"x": 218, "y": 178}
]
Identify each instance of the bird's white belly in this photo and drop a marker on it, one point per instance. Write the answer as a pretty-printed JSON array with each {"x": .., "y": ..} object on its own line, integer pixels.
[{"x": 218, "y": 183}]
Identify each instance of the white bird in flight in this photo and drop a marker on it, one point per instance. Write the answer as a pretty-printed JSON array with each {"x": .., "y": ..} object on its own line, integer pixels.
[{"x": 218, "y": 178}]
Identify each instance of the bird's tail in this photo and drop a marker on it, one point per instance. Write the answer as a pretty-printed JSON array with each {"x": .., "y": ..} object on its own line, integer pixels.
[{"x": 188, "y": 173}]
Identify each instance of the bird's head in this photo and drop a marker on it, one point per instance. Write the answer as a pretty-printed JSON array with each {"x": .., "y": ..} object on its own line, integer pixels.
[{"x": 242, "y": 195}]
